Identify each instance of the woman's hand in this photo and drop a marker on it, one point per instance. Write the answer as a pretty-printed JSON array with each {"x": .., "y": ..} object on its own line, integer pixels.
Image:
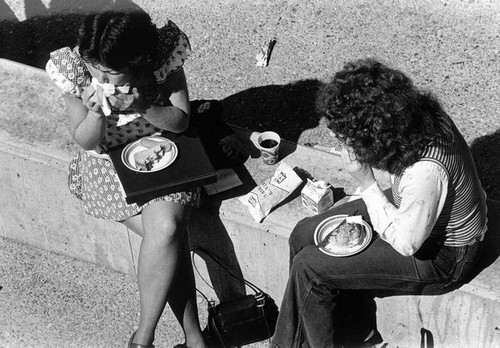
[
  {"x": 363, "y": 173},
  {"x": 86, "y": 119},
  {"x": 141, "y": 80},
  {"x": 128, "y": 101},
  {"x": 92, "y": 98}
]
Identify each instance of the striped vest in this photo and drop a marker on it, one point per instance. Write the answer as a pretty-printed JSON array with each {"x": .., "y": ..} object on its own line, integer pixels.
[{"x": 463, "y": 219}]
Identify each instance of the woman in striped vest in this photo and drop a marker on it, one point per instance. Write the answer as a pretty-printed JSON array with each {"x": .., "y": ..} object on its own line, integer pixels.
[{"x": 428, "y": 229}]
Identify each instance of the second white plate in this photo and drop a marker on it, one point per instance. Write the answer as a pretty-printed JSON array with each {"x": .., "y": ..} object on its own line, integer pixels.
[{"x": 328, "y": 225}]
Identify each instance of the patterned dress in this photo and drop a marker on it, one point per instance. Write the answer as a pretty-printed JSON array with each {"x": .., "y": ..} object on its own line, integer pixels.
[{"x": 92, "y": 177}]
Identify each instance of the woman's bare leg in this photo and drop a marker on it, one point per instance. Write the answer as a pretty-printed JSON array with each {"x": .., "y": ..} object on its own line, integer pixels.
[
  {"x": 163, "y": 273},
  {"x": 182, "y": 299}
]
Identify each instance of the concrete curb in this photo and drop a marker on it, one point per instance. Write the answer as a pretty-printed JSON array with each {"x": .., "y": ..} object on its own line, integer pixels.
[{"x": 42, "y": 213}]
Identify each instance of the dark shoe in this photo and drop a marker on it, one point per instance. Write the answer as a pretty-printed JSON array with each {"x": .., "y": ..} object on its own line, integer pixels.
[
  {"x": 372, "y": 340},
  {"x": 137, "y": 345}
]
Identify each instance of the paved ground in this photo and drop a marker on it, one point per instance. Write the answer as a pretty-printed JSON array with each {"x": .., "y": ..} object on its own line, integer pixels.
[
  {"x": 449, "y": 47},
  {"x": 49, "y": 300}
]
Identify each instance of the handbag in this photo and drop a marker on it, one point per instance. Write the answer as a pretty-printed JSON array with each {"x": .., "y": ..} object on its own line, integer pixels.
[{"x": 240, "y": 321}]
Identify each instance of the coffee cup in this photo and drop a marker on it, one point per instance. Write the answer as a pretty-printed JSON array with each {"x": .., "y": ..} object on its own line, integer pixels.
[{"x": 269, "y": 146}]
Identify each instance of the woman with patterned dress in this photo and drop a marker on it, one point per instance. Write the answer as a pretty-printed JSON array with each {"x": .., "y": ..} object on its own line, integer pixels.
[
  {"x": 429, "y": 229},
  {"x": 145, "y": 65}
]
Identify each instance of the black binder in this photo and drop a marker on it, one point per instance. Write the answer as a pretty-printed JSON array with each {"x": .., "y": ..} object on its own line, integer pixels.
[{"x": 190, "y": 169}]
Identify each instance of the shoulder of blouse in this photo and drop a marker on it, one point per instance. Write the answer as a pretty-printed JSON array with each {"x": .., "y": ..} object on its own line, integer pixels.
[
  {"x": 68, "y": 71},
  {"x": 173, "y": 49}
]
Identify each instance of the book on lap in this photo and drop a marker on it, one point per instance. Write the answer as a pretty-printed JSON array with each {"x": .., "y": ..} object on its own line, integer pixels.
[{"x": 191, "y": 168}]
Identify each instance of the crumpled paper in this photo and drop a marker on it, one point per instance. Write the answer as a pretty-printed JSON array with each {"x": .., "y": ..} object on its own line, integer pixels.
[
  {"x": 107, "y": 90},
  {"x": 263, "y": 198},
  {"x": 265, "y": 53}
]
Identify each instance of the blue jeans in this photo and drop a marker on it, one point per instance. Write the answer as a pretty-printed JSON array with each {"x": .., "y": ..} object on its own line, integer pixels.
[{"x": 329, "y": 301}]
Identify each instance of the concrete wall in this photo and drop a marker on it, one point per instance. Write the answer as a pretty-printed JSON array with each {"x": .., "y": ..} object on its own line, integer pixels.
[{"x": 38, "y": 210}]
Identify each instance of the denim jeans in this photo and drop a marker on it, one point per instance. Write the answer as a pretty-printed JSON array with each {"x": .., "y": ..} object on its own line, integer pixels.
[{"x": 329, "y": 301}]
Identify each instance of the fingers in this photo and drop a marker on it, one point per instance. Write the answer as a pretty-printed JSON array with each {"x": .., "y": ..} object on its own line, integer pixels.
[
  {"x": 112, "y": 99},
  {"x": 348, "y": 156},
  {"x": 99, "y": 94},
  {"x": 87, "y": 93},
  {"x": 121, "y": 101},
  {"x": 135, "y": 93},
  {"x": 91, "y": 99},
  {"x": 350, "y": 161}
]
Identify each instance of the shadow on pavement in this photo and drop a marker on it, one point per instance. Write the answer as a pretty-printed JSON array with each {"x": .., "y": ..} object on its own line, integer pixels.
[
  {"x": 491, "y": 242},
  {"x": 6, "y": 12},
  {"x": 486, "y": 152},
  {"x": 286, "y": 109},
  {"x": 47, "y": 29}
]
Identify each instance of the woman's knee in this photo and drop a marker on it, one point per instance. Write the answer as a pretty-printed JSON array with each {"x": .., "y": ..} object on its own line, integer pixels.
[
  {"x": 300, "y": 236},
  {"x": 164, "y": 226},
  {"x": 165, "y": 230}
]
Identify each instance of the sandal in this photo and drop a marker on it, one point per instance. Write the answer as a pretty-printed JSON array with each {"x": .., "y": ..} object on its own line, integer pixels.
[{"x": 137, "y": 345}]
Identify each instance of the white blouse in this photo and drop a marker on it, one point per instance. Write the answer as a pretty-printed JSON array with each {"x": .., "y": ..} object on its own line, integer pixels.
[{"x": 423, "y": 189}]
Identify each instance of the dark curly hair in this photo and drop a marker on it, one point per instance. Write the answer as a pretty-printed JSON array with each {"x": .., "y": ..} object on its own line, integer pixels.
[
  {"x": 118, "y": 39},
  {"x": 381, "y": 115}
]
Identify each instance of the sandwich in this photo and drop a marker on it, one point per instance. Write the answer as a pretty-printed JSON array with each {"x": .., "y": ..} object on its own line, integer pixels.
[
  {"x": 152, "y": 154},
  {"x": 345, "y": 235}
]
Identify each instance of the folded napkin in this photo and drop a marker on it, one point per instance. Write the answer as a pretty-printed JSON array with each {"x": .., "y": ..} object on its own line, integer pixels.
[
  {"x": 226, "y": 180},
  {"x": 107, "y": 90}
]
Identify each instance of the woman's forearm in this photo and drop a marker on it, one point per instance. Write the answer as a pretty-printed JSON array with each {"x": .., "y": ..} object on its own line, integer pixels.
[
  {"x": 169, "y": 118},
  {"x": 89, "y": 133}
]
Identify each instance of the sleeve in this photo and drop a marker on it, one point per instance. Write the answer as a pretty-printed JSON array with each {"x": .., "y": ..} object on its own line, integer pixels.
[
  {"x": 423, "y": 188},
  {"x": 174, "y": 49},
  {"x": 68, "y": 71}
]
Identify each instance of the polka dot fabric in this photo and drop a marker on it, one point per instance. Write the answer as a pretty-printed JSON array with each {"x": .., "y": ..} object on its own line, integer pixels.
[
  {"x": 174, "y": 50},
  {"x": 94, "y": 181},
  {"x": 68, "y": 71}
]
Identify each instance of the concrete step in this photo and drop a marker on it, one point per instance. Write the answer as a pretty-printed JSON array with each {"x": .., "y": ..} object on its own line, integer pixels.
[{"x": 42, "y": 213}]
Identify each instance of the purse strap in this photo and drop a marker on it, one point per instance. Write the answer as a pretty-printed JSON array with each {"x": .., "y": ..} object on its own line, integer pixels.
[
  {"x": 260, "y": 296},
  {"x": 252, "y": 286}
]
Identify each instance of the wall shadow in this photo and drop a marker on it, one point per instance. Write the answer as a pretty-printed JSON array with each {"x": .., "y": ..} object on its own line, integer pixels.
[
  {"x": 207, "y": 232},
  {"x": 286, "y": 109},
  {"x": 46, "y": 29},
  {"x": 6, "y": 12}
]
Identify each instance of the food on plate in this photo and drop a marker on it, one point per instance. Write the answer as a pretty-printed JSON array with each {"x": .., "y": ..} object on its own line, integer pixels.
[
  {"x": 345, "y": 235},
  {"x": 148, "y": 142},
  {"x": 154, "y": 152}
]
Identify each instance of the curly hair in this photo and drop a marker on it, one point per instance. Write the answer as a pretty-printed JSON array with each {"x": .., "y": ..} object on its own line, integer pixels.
[
  {"x": 118, "y": 39},
  {"x": 381, "y": 115}
]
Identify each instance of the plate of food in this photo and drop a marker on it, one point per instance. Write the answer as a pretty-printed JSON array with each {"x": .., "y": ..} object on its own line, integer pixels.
[
  {"x": 149, "y": 154},
  {"x": 342, "y": 235}
]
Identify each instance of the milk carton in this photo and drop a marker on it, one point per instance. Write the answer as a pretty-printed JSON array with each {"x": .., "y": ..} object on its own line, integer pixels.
[{"x": 317, "y": 196}]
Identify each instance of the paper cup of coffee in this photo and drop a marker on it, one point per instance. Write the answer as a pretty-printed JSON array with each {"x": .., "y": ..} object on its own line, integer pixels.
[{"x": 269, "y": 146}]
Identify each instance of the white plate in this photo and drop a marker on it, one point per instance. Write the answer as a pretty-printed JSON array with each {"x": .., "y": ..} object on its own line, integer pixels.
[
  {"x": 131, "y": 149},
  {"x": 328, "y": 225}
]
